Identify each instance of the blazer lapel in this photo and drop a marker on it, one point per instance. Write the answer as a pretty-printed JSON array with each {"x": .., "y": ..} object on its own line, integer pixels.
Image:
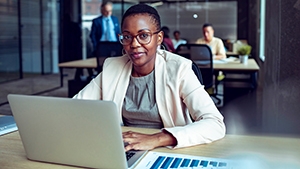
[
  {"x": 160, "y": 87},
  {"x": 121, "y": 87}
]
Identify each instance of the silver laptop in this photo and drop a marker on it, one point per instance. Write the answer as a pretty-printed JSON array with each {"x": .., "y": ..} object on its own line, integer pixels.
[{"x": 75, "y": 132}]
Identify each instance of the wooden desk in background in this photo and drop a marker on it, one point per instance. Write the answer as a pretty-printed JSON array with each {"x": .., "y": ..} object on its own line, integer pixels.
[
  {"x": 78, "y": 64},
  {"x": 234, "y": 66},
  {"x": 234, "y": 69},
  {"x": 274, "y": 150}
]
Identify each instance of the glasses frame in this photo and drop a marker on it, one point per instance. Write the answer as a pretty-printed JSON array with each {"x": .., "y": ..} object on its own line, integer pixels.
[{"x": 136, "y": 37}]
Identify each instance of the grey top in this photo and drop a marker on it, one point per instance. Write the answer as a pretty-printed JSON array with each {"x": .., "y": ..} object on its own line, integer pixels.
[{"x": 139, "y": 107}]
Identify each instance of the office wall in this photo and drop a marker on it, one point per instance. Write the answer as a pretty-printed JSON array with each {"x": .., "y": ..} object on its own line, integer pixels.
[
  {"x": 281, "y": 91},
  {"x": 70, "y": 32},
  {"x": 189, "y": 18}
]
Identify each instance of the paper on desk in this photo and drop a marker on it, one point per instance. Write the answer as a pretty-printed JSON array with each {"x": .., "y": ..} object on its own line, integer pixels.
[
  {"x": 155, "y": 160},
  {"x": 229, "y": 59}
]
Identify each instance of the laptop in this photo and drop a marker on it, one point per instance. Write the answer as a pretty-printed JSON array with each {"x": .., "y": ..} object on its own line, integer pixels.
[{"x": 85, "y": 133}]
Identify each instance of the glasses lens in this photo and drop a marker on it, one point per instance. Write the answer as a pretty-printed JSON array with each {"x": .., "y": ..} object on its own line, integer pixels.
[
  {"x": 125, "y": 39},
  {"x": 144, "y": 37},
  {"x": 121, "y": 39}
]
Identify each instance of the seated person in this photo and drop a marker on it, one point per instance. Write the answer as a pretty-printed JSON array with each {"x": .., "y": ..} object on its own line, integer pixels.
[
  {"x": 216, "y": 44},
  {"x": 177, "y": 40},
  {"x": 155, "y": 88},
  {"x": 167, "y": 41}
]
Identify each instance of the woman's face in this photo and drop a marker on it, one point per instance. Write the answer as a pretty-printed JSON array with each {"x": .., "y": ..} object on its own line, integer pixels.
[{"x": 141, "y": 55}]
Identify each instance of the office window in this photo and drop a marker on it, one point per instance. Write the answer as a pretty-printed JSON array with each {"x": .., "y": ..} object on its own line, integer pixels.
[{"x": 262, "y": 30}]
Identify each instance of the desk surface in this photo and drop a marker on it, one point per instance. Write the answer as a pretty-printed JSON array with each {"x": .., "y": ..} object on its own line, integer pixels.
[
  {"x": 86, "y": 63},
  {"x": 231, "y": 53},
  {"x": 271, "y": 149},
  {"x": 237, "y": 66},
  {"x": 234, "y": 65}
]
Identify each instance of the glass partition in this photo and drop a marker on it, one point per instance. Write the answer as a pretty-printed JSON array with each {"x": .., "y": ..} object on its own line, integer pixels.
[
  {"x": 9, "y": 42},
  {"x": 187, "y": 17},
  {"x": 27, "y": 51}
]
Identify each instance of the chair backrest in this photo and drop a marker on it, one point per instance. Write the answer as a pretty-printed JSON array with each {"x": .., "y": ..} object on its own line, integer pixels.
[
  {"x": 197, "y": 72},
  {"x": 163, "y": 46},
  {"x": 183, "y": 50},
  {"x": 107, "y": 49},
  {"x": 202, "y": 56}
]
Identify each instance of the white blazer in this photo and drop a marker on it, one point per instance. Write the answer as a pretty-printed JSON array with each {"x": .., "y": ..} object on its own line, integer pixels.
[{"x": 179, "y": 97}]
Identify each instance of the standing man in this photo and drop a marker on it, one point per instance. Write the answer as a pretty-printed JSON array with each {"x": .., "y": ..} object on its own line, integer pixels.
[
  {"x": 216, "y": 44},
  {"x": 105, "y": 27}
]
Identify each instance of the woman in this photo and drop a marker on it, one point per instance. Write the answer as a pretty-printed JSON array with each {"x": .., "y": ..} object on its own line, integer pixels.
[
  {"x": 155, "y": 88},
  {"x": 167, "y": 41}
]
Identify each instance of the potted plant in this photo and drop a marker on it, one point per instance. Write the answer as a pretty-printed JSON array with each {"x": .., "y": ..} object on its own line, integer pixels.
[{"x": 244, "y": 52}]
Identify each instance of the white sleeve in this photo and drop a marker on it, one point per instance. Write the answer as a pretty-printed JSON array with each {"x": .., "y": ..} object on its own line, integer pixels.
[{"x": 92, "y": 91}]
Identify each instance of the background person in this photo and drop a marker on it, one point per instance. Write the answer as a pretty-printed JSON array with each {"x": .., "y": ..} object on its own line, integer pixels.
[
  {"x": 167, "y": 42},
  {"x": 105, "y": 27},
  {"x": 155, "y": 88},
  {"x": 177, "y": 39},
  {"x": 216, "y": 44}
]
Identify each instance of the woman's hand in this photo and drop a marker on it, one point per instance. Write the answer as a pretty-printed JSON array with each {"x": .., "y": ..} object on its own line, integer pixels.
[{"x": 139, "y": 141}]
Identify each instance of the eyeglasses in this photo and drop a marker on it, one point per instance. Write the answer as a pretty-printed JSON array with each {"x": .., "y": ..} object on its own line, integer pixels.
[{"x": 143, "y": 38}]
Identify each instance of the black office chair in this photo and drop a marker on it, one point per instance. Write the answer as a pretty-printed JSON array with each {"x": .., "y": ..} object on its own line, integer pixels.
[
  {"x": 197, "y": 72},
  {"x": 202, "y": 56},
  {"x": 107, "y": 49}
]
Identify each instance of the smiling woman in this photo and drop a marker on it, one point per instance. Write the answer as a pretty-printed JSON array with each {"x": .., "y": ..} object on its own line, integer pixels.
[{"x": 154, "y": 88}]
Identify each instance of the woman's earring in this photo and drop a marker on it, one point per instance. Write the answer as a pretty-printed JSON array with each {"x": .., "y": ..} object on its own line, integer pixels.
[
  {"x": 162, "y": 51},
  {"x": 123, "y": 51},
  {"x": 162, "y": 47}
]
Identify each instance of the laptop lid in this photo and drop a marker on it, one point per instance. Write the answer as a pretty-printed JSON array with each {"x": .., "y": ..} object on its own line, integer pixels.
[{"x": 68, "y": 131}]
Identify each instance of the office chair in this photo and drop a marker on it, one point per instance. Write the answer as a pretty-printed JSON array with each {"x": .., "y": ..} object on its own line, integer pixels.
[
  {"x": 202, "y": 56},
  {"x": 107, "y": 49},
  {"x": 197, "y": 72}
]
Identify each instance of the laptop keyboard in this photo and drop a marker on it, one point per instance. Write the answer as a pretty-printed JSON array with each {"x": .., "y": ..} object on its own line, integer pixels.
[{"x": 129, "y": 154}]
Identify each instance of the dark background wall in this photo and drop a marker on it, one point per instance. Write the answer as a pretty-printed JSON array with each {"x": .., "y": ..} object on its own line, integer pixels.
[
  {"x": 278, "y": 92},
  {"x": 70, "y": 42},
  {"x": 281, "y": 89}
]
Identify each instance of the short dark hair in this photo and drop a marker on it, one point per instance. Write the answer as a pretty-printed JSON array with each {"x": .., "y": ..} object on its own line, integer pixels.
[
  {"x": 106, "y": 3},
  {"x": 176, "y": 31},
  {"x": 207, "y": 25},
  {"x": 143, "y": 9}
]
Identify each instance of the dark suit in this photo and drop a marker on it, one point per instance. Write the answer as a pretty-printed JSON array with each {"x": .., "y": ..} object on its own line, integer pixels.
[{"x": 97, "y": 29}]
